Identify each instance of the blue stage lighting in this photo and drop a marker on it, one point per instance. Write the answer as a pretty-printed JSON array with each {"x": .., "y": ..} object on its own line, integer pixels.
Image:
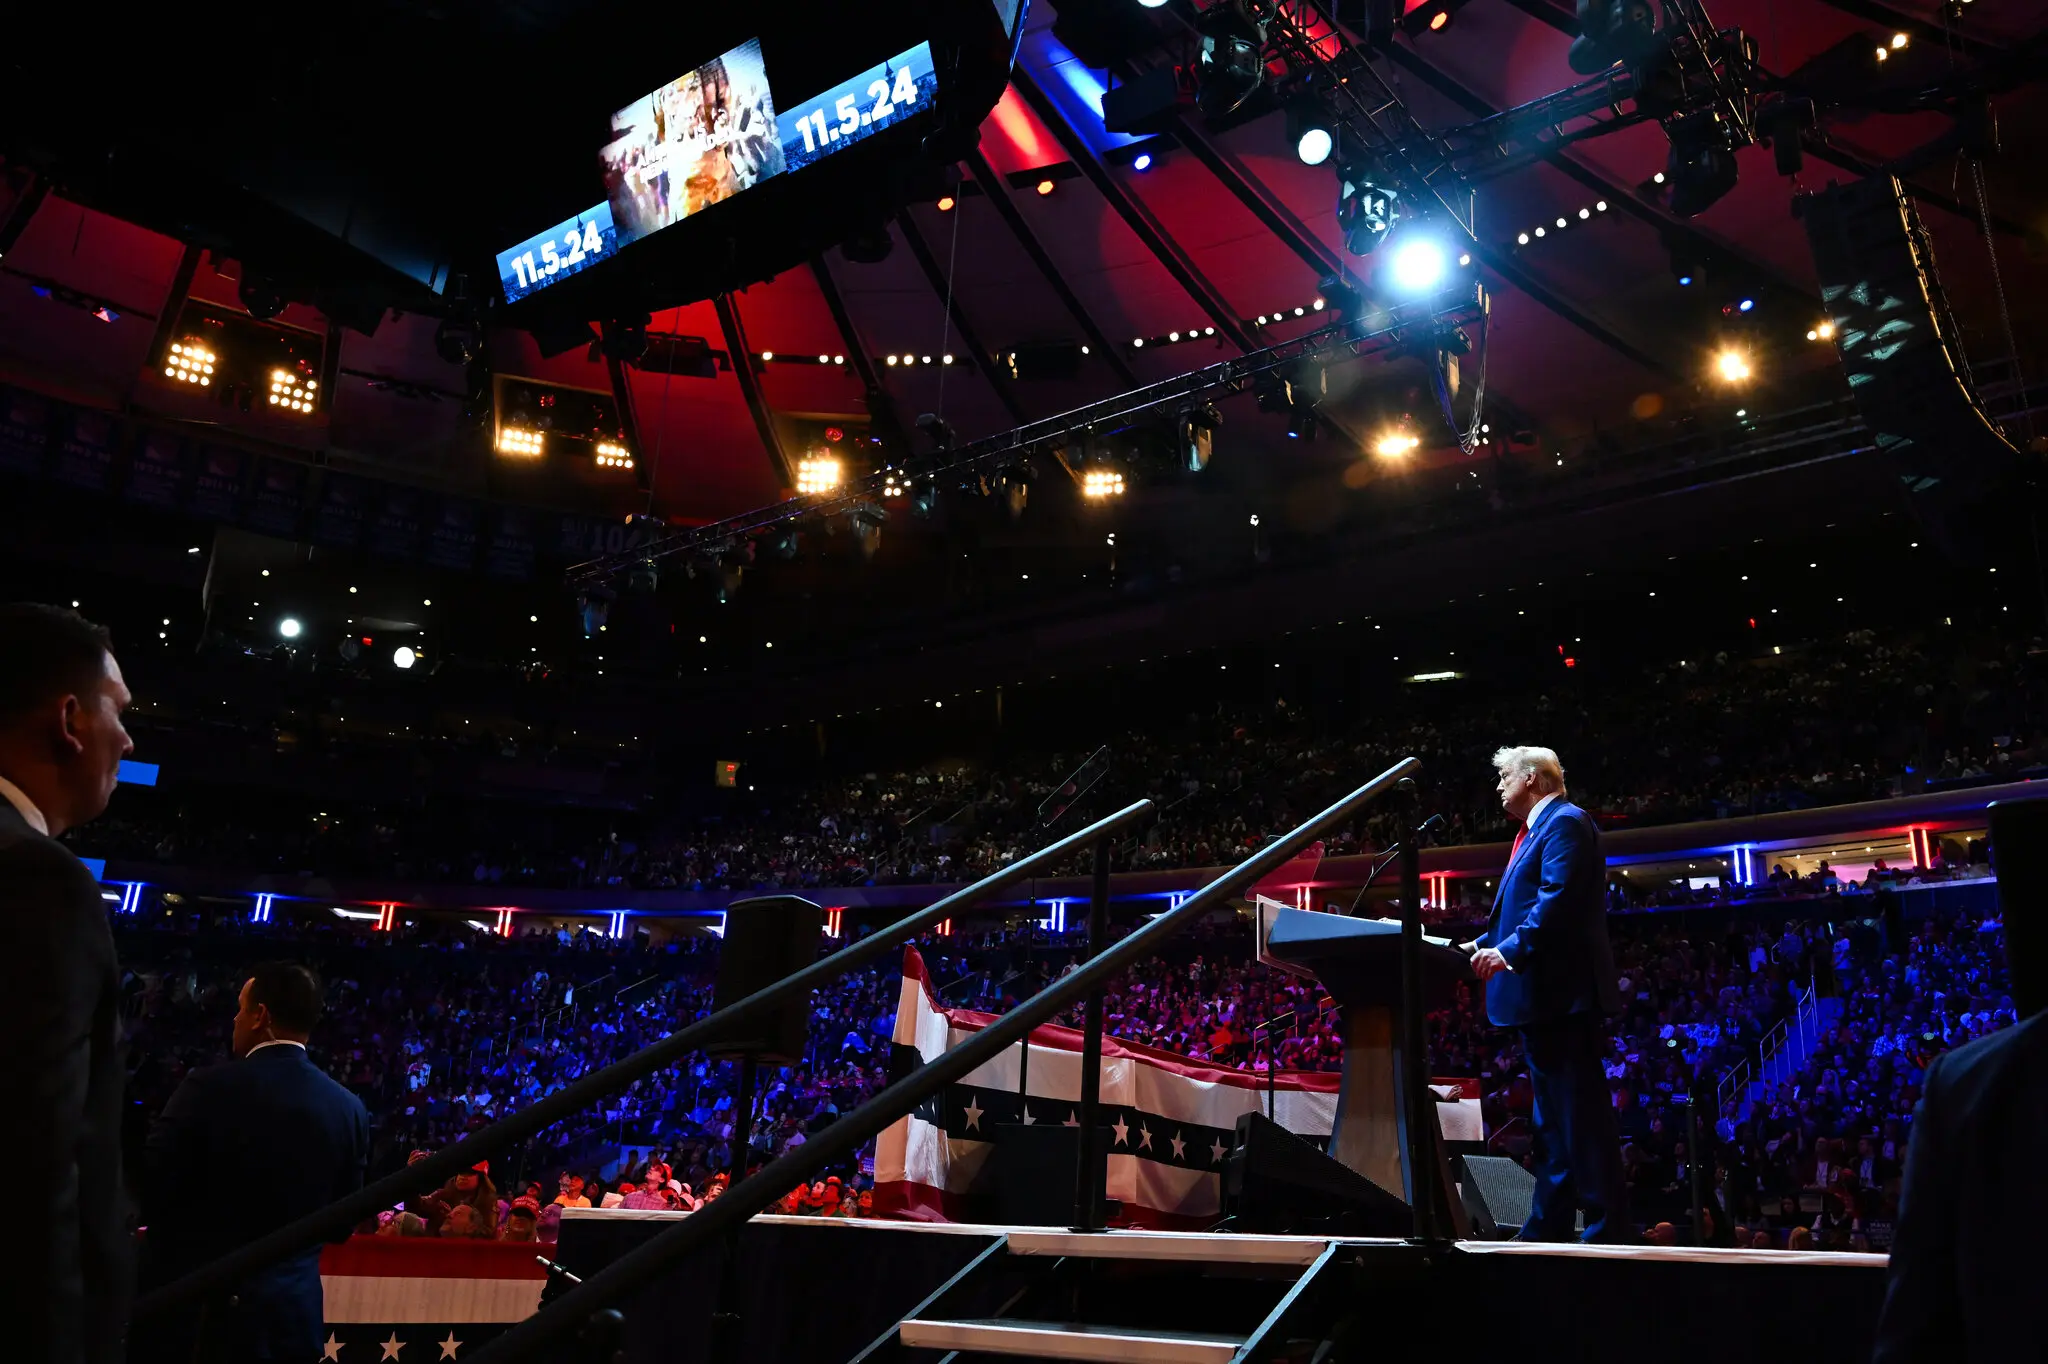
[
  {"x": 1746, "y": 304},
  {"x": 1684, "y": 280},
  {"x": 1419, "y": 264},
  {"x": 1142, "y": 162}
]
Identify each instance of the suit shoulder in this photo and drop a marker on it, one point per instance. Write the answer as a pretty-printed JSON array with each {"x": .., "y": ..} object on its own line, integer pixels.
[
  {"x": 34, "y": 856},
  {"x": 1967, "y": 1074}
]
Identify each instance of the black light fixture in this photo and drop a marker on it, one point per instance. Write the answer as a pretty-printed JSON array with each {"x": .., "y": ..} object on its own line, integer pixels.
[
  {"x": 459, "y": 339},
  {"x": 1700, "y": 167},
  {"x": 1612, "y": 31},
  {"x": 1194, "y": 432},
  {"x": 1232, "y": 64},
  {"x": 1366, "y": 210},
  {"x": 1309, "y": 129},
  {"x": 625, "y": 339},
  {"x": 260, "y": 294}
]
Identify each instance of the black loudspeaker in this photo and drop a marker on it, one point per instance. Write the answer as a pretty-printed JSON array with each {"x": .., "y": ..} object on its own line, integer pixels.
[
  {"x": 1898, "y": 340},
  {"x": 2019, "y": 854},
  {"x": 1497, "y": 1194},
  {"x": 1274, "y": 1181},
  {"x": 766, "y": 939}
]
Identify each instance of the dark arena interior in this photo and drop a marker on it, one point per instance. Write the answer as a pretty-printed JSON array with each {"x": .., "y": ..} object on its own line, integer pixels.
[{"x": 1152, "y": 681}]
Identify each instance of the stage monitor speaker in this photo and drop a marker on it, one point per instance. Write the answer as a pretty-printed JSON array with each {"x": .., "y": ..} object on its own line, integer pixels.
[
  {"x": 1898, "y": 341},
  {"x": 1034, "y": 1173},
  {"x": 1275, "y": 1181},
  {"x": 1497, "y": 1194},
  {"x": 766, "y": 939},
  {"x": 2019, "y": 855}
]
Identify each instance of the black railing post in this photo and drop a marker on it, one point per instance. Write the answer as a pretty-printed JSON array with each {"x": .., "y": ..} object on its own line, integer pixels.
[
  {"x": 725, "y": 1315},
  {"x": 1087, "y": 1191},
  {"x": 1419, "y": 1151}
]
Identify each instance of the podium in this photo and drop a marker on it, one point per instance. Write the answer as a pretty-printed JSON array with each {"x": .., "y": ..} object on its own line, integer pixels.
[{"x": 1359, "y": 962}]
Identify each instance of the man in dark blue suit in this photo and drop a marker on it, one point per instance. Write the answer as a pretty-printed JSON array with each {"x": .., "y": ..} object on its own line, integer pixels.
[
  {"x": 1968, "y": 1261},
  {"x": 1550, "y": 972},
  {"x": 240, "y": 1150}
]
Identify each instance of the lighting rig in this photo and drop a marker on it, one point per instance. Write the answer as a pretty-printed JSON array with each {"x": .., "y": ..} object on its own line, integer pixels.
[
  {"x": 1354, "y": 332},
  {"x": 1701, "y": 84}
]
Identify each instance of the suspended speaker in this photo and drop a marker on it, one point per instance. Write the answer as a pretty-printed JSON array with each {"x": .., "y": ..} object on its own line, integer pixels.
[
  {"x": 1898, "y": 340},
  {"x": 766, "y": 939},
  {"x": 2019, "y": 854}
]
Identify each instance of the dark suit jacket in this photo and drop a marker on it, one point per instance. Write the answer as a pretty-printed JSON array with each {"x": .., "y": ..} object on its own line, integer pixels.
[
  {"x": 1550, "y": 923},
  {"x": 1968, "y": 1262},
  {"x": 240, "y": 1150},
  {"x": 67, "y": 1286}
]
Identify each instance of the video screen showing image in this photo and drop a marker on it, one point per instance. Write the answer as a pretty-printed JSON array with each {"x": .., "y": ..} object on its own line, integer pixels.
[
  {"x": 695, "y": 142},
  {"x": 859, "y": 107}
]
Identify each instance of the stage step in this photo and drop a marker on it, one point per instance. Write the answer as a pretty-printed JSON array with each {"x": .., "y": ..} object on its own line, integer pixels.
[
  {"x": 1069, "y": 1340},
  {"x": 1181, "y": 1247}
]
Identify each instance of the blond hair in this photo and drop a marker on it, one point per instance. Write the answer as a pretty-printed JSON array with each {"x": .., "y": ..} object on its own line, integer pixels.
[{"x": 1542, "y": 762}]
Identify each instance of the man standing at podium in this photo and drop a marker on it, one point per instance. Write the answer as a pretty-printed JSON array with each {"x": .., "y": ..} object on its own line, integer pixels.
[{"x": 1550, "y": 972}]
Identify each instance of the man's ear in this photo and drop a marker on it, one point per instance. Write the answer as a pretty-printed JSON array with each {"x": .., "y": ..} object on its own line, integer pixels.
[{"x": 67, "y": 725}]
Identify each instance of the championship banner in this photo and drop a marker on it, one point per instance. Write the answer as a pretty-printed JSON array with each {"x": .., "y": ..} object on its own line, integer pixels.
[
  {"x": 1171, "y": 1119},
  {"x": 424, "y": 1298}
]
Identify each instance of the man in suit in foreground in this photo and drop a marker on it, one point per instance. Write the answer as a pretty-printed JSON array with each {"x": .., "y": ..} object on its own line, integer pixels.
[
  {"x": 240, "y": 1150},
  {"x": 1968, "y": 1261},
  {"x": 61, "y": 744},
  {"x": 1550, "y": 972}
]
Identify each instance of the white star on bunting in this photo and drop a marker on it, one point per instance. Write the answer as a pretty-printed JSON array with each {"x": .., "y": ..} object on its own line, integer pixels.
[
  {"x": 332, "y": 1349},
  {"x": 390, "y": 1347},
  {"x": 1073, "y": 1119},
  {"x": 1028, "y": 1119},
  {"x": 974, "y": 1112},
  {"x": 1144, "y": 1138},
  {"x": 450, "y": 1346},
  {"x": 1219, "y": 1150},
  {"x": 1122, "y": 1130},
  {"x": 1179, "y": 1147}
]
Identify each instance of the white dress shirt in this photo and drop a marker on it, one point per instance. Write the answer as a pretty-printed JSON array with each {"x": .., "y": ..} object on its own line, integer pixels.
[
  {"x": 273, "y": 1042},
  {"x": 30, "y": 815}
]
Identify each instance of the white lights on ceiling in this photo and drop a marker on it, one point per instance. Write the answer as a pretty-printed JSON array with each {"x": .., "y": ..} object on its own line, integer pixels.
[
  {"x": 613, "y": 456},
  {"x": 189, "y": 363},
  {"x": 517, "y": 440},
  {"x": 1100, "y": 483},
  {"x": 291, "y": 393},
  {"x": 817, "y": 474},
  {"x": 1562, "y": 222}
]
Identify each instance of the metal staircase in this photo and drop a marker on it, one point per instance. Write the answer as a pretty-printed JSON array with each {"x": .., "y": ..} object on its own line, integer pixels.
[{"x": 1125, "y": 1297}]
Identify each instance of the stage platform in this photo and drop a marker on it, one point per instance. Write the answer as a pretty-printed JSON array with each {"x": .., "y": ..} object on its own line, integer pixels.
[{"x": 827, "y": 1289}]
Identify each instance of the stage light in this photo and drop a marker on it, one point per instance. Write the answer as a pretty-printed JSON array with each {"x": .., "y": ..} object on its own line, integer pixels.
[
  {"x": 1585, "y": 213},
  {"x": 1152, "y": 4},
  {"x": 1101, "y": 483},
  {"x": 189, "y": 363},
  {"x": 1700, "y": 165},
  {"x": 1395, "y": 444},
  {"x": 288, "y": 627},
  {"x": 1732, "y": 366},
  {"x": 817, "y": 474},
  {"x": 1419, "y": 265},
  {"x": 1522, "y": 239},
  {"x": 1231, "y": 65},
  {"x": 403, "y": 657},
  {"x": 1539, "y": 231},
  {"x": 1309, "y": 130},
  {"x": 1195, "y": 433},
  {"x": 892, "y": 359},
  {"x": 1600, "y": 207},
  {"x": 1898, "y": 40},
  {"x": 947, "y": 359},
  {"x": 767, "y": 355},
  {"x": 1045, "y": 186},
  {"x": 1826, "y": 331},
  {"x": 1684, "y": 280},
  {"x": 1365, "y": 211},
  {"x": 290, "y": 393},
  {"x": 1561, "y": 222},
  {"x": 613, "y": 456},
  {"x": 1745, "y": 305},
  {"x": 514, "y": 440},
  {"x": 946, "y": 204},
  {"x": 1439, "y": 20},
  {"x": 1143, "y": 160}
]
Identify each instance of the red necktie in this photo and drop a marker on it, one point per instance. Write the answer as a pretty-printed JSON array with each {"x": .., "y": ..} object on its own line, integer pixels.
[{"x": 1520, "y": 834}]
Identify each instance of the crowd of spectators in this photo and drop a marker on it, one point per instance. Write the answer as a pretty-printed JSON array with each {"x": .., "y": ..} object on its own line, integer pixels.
[
  {"x": 1846, "y": 719},
  {"x": 442, "y": 1033}
]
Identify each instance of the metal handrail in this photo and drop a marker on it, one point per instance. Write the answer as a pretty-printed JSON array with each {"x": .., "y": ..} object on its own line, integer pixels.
[
  {"x": 430, "y": 1173},
  {"x": 637, "y": 1269}
]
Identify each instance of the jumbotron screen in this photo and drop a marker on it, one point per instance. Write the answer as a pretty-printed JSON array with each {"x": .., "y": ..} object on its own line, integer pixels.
[{"x": 705, "y": 137}]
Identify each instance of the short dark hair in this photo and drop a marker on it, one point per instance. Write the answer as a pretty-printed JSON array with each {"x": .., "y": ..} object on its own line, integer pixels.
[
  {"x": 46, "y": 652},
  {"x": 290, "y": 991}
]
